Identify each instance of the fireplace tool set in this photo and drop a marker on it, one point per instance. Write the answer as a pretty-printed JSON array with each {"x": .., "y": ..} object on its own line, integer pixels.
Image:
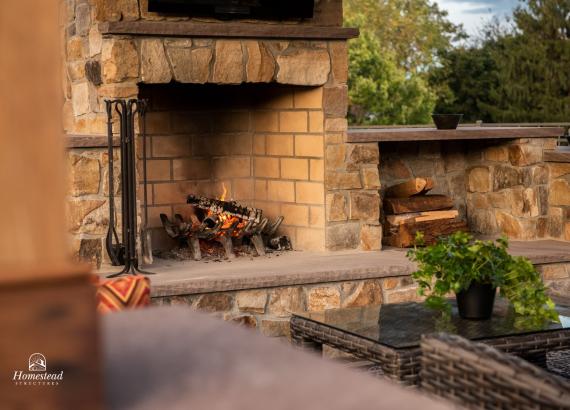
[{"x": 124, "y": 251}]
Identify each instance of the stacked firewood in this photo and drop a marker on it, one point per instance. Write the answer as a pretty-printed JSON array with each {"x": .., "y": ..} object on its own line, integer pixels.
[{"x": 409, "y": 209}]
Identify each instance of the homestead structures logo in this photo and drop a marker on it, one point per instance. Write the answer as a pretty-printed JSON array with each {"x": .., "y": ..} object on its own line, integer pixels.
[
  {"x": 37, "y": 363},
  {"x": 37, "y": 374}
]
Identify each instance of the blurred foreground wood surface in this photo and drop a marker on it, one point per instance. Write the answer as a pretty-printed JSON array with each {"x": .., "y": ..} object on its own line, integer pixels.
[{"x": 47, "y": 305}]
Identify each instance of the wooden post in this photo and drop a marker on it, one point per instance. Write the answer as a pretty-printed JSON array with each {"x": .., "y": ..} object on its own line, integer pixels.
[{"x": 47, "y": 305}]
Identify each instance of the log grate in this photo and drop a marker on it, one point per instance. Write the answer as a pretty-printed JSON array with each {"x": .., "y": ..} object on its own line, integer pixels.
[{"x": 225, "y": 222}]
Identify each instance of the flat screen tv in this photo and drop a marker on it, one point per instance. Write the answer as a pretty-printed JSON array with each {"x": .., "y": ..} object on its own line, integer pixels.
[{"x": 257, "y": 9}]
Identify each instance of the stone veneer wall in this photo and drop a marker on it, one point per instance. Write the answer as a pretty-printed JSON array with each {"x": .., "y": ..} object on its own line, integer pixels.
[
  {"x": 269, "y": 309},
  {"x": 114, "y": 66},
  {"x": 101, "y": 67},
  {"x": 87, "y": 202},
  {"x": 556, "y": 276},
  {"x": 558, "y": 223},
  {"x": 512, "y": 190},
  {"x": 352, "y": 183},
  {"x": 500, "y": 186}
]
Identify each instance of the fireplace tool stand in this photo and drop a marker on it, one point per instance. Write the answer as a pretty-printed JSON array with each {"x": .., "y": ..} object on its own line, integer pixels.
[{"x": 124, "y": 252}]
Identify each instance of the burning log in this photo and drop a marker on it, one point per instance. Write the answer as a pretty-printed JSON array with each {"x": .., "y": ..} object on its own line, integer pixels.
[
  {"x": 217, "y": 206},
  {"x": 224, "y": 222}
]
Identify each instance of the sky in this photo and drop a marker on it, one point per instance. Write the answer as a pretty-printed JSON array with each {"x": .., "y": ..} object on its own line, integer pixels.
[{"x": 474, "y": 13}]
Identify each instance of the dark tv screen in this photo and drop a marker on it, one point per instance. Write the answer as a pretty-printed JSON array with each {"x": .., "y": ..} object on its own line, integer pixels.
[{"x": 260, "y": 9}]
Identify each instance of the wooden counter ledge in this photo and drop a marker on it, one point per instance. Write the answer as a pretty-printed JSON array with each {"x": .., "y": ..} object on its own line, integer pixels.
[
  {"x": 560, "y": 154},
  {"x": 362, "y": 134}
]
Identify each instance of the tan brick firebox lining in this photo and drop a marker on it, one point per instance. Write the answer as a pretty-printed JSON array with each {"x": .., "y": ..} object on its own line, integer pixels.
[{"x": 267, "y": 152}]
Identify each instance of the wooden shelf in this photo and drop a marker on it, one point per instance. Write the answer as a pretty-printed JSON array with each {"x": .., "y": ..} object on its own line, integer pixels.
[
  {"x": 227, "y": 30},
  {"x": 89, "y": 141},
  {"x": 358, "y": 134}
]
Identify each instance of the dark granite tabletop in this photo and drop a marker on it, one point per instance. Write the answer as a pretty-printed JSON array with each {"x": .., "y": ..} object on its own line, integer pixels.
[{"x": 402, "y": 325}]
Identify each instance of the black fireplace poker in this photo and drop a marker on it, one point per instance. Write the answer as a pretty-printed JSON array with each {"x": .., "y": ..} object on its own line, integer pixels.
[{"x": 124, "y": 251}]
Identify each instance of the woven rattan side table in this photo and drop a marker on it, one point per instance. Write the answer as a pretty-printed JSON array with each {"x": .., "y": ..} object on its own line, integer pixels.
[{"x": 390, "y": 335}]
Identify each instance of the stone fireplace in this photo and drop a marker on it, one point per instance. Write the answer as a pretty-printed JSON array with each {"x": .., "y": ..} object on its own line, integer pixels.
[{"x": 256, "y": 107}]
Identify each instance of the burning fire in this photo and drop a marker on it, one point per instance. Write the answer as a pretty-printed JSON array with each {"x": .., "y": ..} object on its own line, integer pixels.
[
  {"x": 228, "y": 220},
  {"x": 224, "y": 193}
]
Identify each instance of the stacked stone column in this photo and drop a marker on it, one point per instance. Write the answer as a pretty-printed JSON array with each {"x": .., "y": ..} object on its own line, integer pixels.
[{"x": 352, "y": 179}]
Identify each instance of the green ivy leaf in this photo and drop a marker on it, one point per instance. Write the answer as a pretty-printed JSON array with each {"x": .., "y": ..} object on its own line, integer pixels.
[{"x": 455, "y": 261}]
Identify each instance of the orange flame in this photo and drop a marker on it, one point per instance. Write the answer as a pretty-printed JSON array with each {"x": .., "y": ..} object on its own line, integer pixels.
[
  {"x": 225, "y": 191},
  {"x": 226, "y": 219}
]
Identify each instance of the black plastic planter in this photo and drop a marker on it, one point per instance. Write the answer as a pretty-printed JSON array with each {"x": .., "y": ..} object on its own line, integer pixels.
[
  {"x": 476, "y": 303},
  {"x": 446, "y": 121}
]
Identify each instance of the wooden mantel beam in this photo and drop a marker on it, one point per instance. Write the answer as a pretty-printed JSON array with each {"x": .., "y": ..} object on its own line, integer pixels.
[{"x": 227, "y": 30}]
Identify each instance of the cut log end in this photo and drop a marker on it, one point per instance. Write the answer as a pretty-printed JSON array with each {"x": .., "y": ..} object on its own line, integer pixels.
[
  {"x": 411, "y": 187},
  {"x": 404, "y": 235},
  {"x": 396, "y": 206},
  {"x": 395, "y": 220}
]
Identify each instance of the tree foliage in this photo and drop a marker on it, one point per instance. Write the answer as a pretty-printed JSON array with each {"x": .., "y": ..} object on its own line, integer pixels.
[
  {"x": 381, "y": 92},
  {"x": 466, "y": 83},
  {"x": 400, "y": 43},
  {"x": 517, "y": 73}
]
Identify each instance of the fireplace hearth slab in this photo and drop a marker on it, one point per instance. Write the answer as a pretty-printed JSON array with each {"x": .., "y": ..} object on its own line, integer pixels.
[
  {"x": 300, "y": 268},
  {"x": 291, "y": 268}
]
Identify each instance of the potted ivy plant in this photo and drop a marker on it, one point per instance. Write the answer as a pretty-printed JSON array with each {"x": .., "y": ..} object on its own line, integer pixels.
[{"x": 473, "y": 270}]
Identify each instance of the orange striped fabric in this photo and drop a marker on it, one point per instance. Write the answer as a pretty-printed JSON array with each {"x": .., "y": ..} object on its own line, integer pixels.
[{"x": 123, "y": 293}]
